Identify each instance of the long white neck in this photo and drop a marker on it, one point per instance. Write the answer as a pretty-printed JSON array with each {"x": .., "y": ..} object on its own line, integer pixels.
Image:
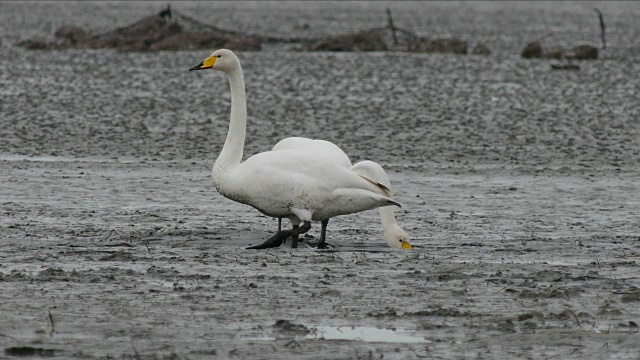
[
  {"x": 387, "y": 217},
  {"x": 231, "y": 154}
]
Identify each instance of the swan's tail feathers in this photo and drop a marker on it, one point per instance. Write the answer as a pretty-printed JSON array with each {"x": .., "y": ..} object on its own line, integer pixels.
[
  {"x": 350, "y": 200},
  {"x": 385, "y": 190},
  {"x": 392, "y": 202}
]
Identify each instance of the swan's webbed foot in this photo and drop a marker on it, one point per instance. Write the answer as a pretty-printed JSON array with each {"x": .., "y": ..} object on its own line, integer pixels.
[
  {"x": 274, "y": 241},
  {"x": 324, "y": 245},
  {"x": 277, "y": 239}
]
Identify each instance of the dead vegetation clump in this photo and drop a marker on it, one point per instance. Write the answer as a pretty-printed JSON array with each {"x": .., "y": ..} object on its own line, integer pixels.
[
  {"x": 631, "y": 297},
  {"x": 387, "y": 39},
  {"x": 361, "y": 41},
  {"x": 163, "y": 32},
  {"x": 288, "y": 326},
  {"x": 535, "y": 50}
]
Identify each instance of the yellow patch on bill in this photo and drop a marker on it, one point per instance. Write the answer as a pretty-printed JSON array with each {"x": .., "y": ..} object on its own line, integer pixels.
[
  {"x": 209, "y": 62},
  {"x": 406, "y": 245}
]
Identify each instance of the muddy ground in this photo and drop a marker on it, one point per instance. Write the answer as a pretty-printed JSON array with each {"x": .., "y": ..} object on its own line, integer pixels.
[
  {"x": 143, "y": 259},
  {"x": 518, "y": 184}
]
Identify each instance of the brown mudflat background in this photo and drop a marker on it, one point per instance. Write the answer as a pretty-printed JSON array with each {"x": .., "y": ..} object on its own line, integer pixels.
[{"x": 518, "y": 183}]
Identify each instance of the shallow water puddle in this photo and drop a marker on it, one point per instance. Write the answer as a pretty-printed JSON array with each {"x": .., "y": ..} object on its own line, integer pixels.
[{"x": 363, "y": 333}]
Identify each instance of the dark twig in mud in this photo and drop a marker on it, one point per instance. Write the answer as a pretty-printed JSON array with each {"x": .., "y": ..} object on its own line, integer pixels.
[
  {"x": 135, "y": 351},
  {"x": 236, "y": 334},
  {"x": 412, "y": 257},
  {"x": 597, "y": 261},
  {"x": 392, "y": 27},
  {"x": 293, "y": 342},
  {"x": 602, "y": 28},
  {"x": 53, "y": 327},
  {"x": 110, "y": 233},
  {"x": 146, "y": 244},
  {"x": 575, "y": 316},
  {"x": 121, "y": 244}
]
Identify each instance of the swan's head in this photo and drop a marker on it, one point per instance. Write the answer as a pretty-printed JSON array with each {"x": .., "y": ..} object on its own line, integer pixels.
[
  {"x": 397, "y": 238},
  {"x": 222, "y": 60}
]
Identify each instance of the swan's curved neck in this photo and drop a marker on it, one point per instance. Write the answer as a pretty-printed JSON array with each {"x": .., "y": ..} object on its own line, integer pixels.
[
  {"x": 387, "y": 216},
  {"x": 232, "y": 150}
]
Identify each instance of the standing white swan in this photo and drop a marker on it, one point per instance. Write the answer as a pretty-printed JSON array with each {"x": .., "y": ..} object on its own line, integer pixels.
[
  {"x": 393, "y": 234},
  {"x": 284, "y": 183}
]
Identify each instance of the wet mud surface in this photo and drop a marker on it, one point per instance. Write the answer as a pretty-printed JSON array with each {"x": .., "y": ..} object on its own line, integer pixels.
[
  {"x": 143, "y": 258},
  {"x": 518, "y": 185}
]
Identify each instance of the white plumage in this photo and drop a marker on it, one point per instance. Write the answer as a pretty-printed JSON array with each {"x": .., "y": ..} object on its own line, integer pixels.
[
  {"x": 393, "y": 234},
  {"x": 283, "y": 183}
]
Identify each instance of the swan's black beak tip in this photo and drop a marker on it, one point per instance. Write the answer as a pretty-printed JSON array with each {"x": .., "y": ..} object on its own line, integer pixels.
[{"x": 197, "y": 67}]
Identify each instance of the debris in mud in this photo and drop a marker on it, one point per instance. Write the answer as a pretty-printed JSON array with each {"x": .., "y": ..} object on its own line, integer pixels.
[
  {"x": 554, "y": 293},
  {"x": 391, "y": 38},
  {"x": 387, "y": 39},
  {"x": 118, "y": 256},
  {"x": 534, "y": 50},
  {"x": 530, "y": 315},
  {"x": 372, "y": 40},
  {"x": 72, "y": 34},
  {"x": 386, "y": 313},
  {"x": 440, "y": 311},
  {"x": 173, "y": 31},
  {"x": 565, "y": 67},
  {"x": 29, "y": 351},
  {"x": 606, "y": 310},
  {"x": 159, "y": 32},
  {"x": 481, "y": 49},
  {"x": 634, "y": 296},
  {"x": 581, "y": 52},
  {"x": 549, "y": 276},
  {"x": 288, "y": 326}
]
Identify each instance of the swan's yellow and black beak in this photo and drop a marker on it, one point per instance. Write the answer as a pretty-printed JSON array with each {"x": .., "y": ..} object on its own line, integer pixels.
[
  {"x": 206, "y": 64},
  {"x": 407, "y": 246}
]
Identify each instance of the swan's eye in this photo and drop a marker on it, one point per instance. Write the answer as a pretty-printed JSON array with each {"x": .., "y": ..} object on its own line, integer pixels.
[
  {"x": 219, "y": 56},
  {"x": 400, "y": 240}
]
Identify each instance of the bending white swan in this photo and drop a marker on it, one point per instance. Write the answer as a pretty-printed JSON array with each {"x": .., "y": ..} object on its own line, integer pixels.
[
  {"x": 283, "y": 183},
  {"x": 393, "y": 234}
]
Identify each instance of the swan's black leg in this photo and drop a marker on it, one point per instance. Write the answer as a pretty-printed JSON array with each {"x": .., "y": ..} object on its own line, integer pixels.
[
  {"x": 294, "y": 237},
  {"x": 323, "y": 234},
  {"x": 284, "y": 241}
]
